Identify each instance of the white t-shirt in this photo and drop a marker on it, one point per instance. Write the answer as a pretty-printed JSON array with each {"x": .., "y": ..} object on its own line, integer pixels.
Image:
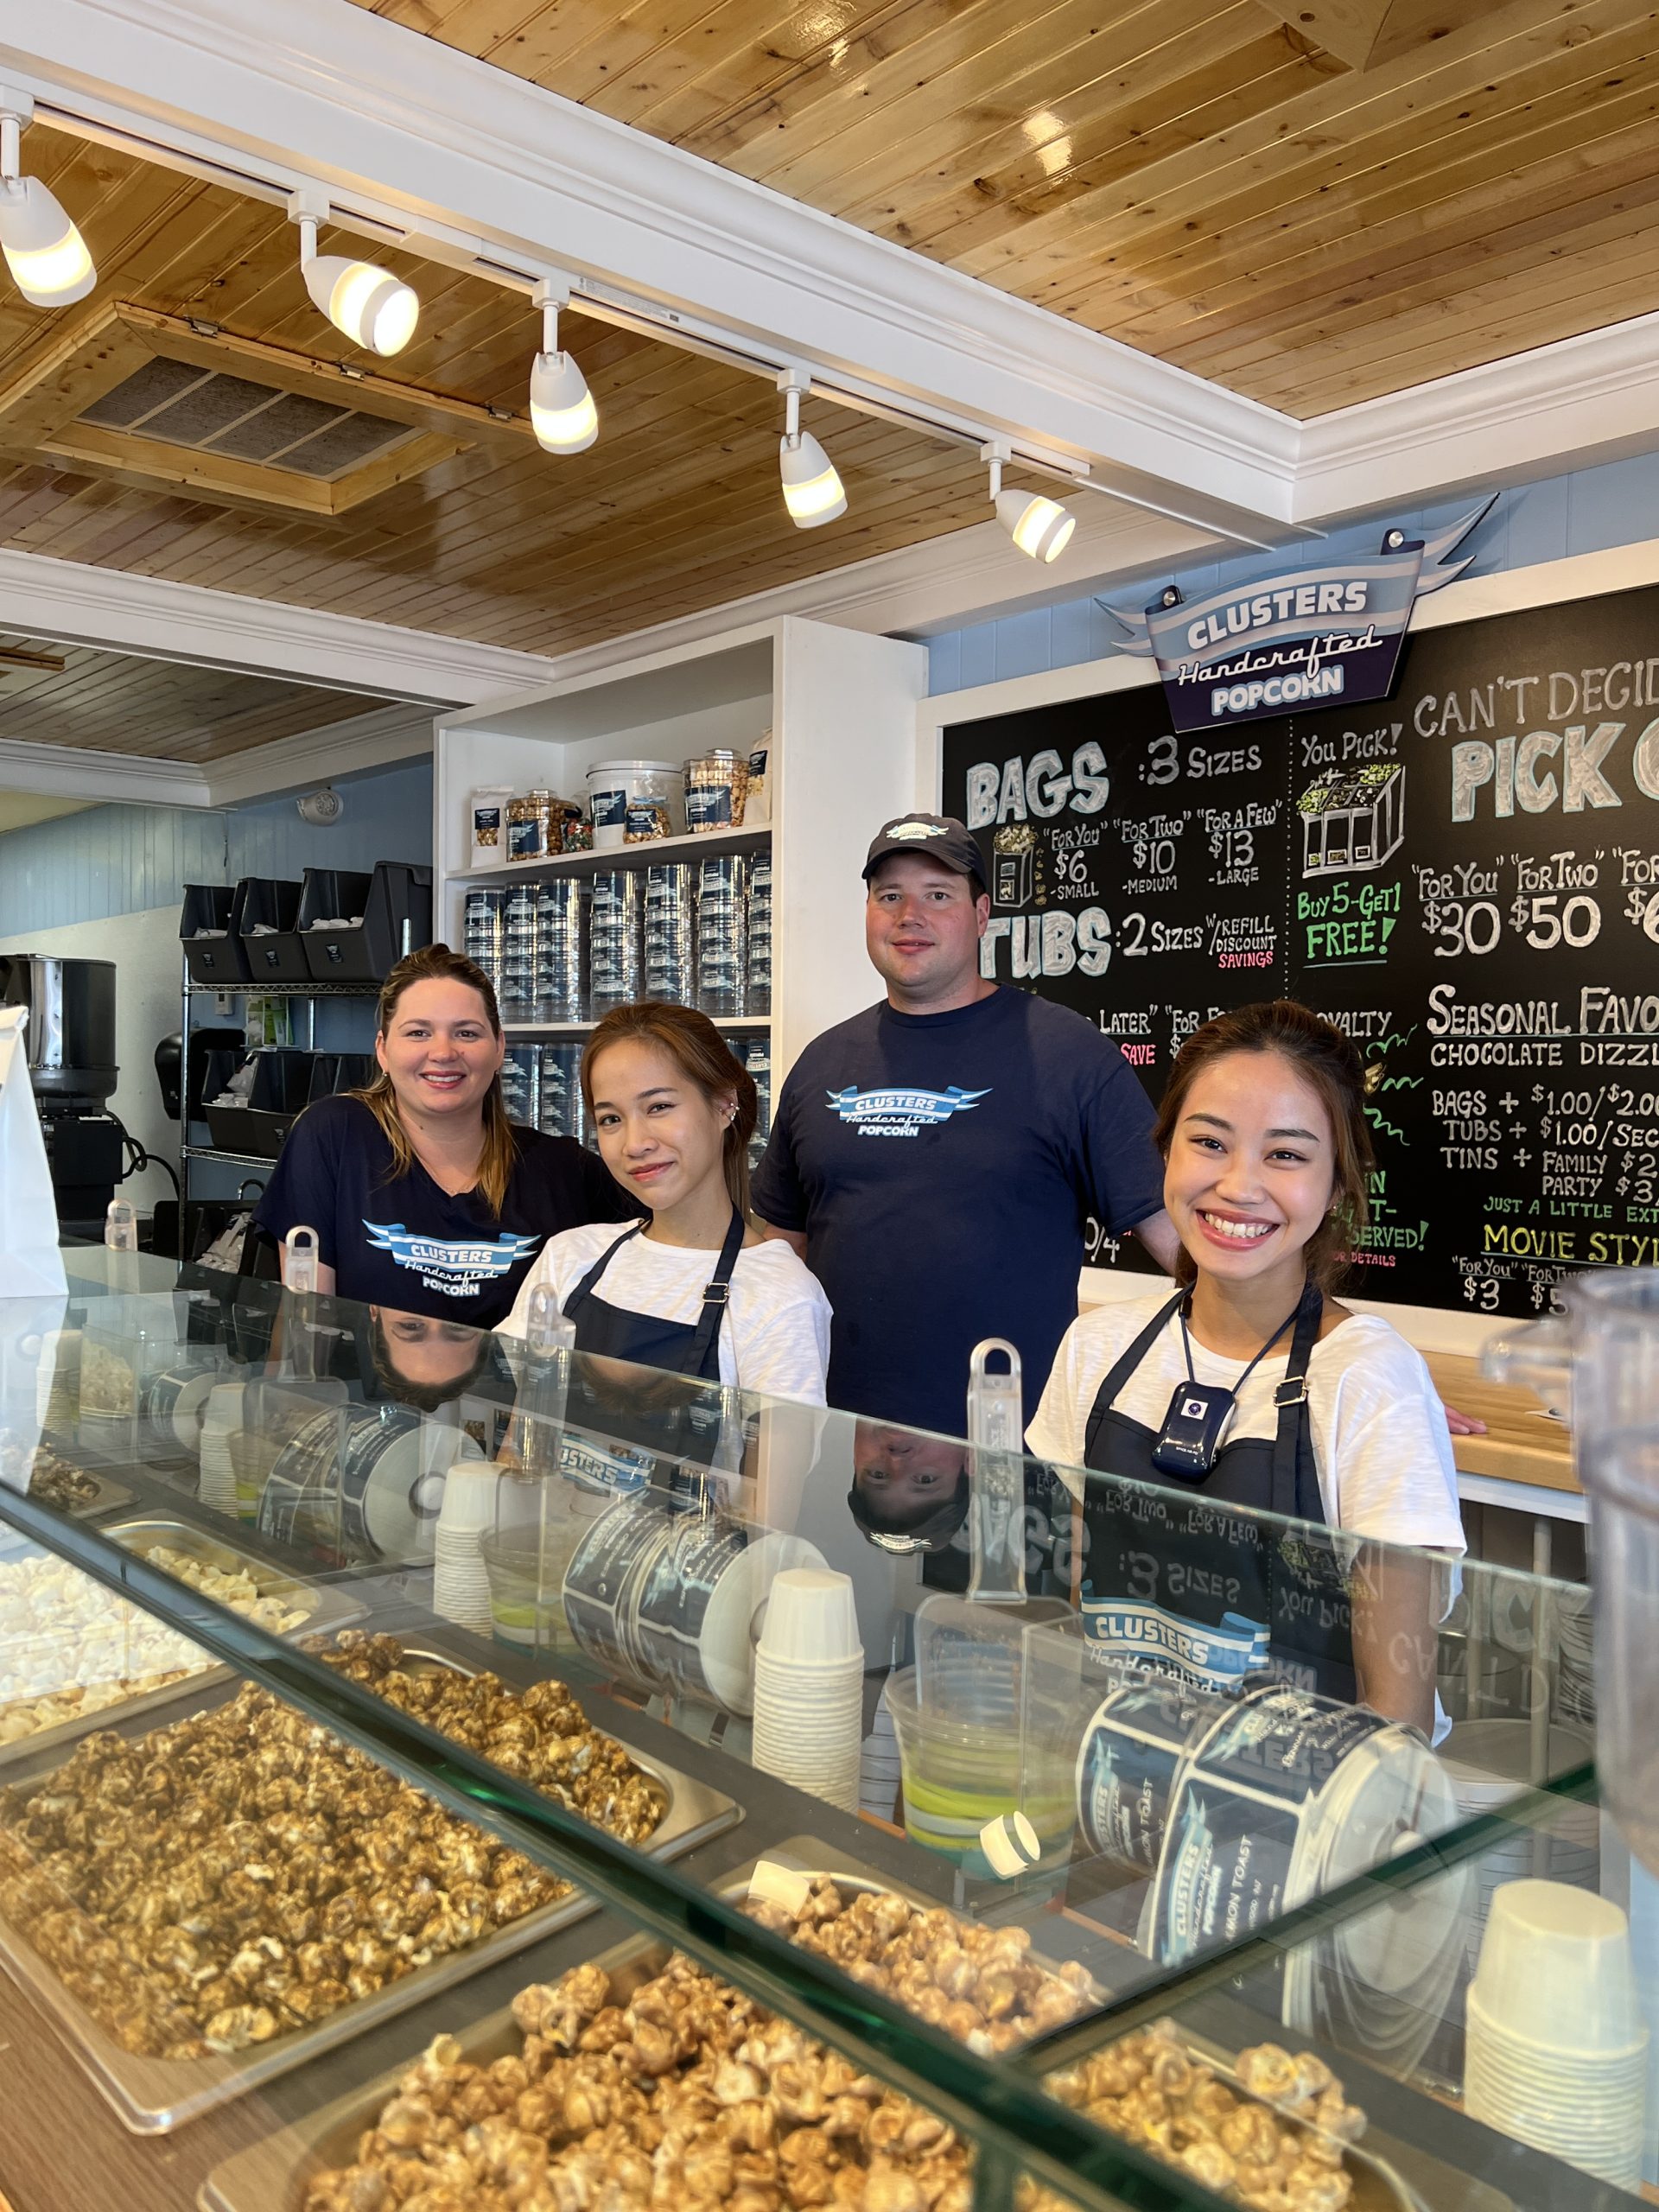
[
  {"x": 1379, "y": 1439},
  {"x": 775, "y": 1335}
]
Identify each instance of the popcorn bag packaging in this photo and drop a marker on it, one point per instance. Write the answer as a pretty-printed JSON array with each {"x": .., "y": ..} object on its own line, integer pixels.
[{"x": 31, "y": 1266}]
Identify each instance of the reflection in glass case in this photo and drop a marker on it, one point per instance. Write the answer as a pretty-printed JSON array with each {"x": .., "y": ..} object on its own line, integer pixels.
[{"x": 440, "y": 1772}]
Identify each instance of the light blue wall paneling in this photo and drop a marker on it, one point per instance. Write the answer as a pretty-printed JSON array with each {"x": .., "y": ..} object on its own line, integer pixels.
[
  {"x": 1584, "y": 512},
  {"x": 126, "y": 859},
  {"x": 388, "y": 818}
]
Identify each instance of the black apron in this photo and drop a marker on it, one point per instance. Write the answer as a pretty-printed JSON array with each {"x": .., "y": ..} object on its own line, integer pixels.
[
  {"x": 653, "y": 1417},
  {"x": 1174, "y": 1581}
]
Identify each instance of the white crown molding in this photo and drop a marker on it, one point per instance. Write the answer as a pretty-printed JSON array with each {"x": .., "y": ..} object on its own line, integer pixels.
[
  {"x": 103, "y": 778},
  {"x": 354, "y": 102},
  {"x": 72, "y": 603},
  {"x": 318, "y": 756},
  {"x": 1574, "y": 403}
]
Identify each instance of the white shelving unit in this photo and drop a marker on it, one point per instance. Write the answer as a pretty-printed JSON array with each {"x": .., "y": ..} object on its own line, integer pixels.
[
  {"x": 699, "y": 847},
  {"x": 842, "y": 707}
]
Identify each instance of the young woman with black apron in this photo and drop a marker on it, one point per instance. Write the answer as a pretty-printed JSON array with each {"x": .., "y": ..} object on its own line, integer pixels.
[
  {"x": 692, "y": 1299},
  {"x": 1170, "y": 1573},
  {"x": 1223, "y": 1434}
]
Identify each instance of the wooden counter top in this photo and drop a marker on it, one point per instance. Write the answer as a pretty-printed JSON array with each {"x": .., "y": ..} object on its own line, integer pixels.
[{"x": 1521, "y": 1443}]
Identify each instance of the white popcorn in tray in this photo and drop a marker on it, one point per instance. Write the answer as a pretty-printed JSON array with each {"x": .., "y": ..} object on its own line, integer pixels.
[{"x": 68, "y": 1648}]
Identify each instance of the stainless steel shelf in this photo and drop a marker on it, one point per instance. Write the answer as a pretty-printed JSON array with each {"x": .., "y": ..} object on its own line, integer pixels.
[{"x": 231, "y": 1159}]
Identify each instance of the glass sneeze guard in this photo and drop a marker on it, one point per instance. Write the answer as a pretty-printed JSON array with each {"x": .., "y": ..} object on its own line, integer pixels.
[{"x": 1270, "y": 1866}]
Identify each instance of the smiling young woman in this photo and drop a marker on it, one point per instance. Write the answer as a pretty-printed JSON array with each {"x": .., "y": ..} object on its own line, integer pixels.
[
  {"x": 1253, "y": 1389},
  {"x": 695, "y": 1290},
  {"x": 424, "y": 1197}
]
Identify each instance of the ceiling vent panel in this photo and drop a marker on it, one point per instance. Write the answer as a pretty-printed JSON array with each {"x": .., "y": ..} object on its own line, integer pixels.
[{"x": 152, "y": 400}]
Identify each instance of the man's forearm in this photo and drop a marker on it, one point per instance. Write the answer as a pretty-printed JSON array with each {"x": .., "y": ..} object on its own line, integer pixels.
[
  {"x": 1157, "y": 1233},
  {"x": 795, "y": 1238}
]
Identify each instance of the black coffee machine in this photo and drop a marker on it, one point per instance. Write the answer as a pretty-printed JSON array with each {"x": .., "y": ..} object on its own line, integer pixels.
[{"x": 70, "y": 1046}]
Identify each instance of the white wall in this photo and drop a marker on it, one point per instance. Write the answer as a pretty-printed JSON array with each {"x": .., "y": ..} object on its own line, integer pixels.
[{"x": 145, "y": 950}]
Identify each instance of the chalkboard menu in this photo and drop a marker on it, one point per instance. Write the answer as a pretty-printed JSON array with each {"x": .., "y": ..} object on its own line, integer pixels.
[{"x": 1464, "y": 877}]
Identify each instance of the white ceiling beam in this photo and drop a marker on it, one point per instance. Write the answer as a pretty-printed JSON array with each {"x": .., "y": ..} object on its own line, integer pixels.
[
  {"x": 72, "y": 603},
  {"x": 326, "y": 91}
]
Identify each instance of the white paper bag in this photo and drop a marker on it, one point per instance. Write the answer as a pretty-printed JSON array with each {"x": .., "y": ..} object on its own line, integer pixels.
[
  {"x": 31, "y": 1329},
  {"x": 31, "y": 1265}
]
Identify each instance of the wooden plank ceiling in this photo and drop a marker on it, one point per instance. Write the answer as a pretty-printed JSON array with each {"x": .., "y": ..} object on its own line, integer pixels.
[
  {"x": 1312, "y": 204},
  {"x": 677, "y": 507},
  {"x": 118, "y": 703}
]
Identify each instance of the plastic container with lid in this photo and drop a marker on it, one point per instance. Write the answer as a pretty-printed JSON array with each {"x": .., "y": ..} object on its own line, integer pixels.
[
  {"x": 716, "y": 783},
  {"x": 613, "y": 785},
  {"x": 532, "y": 826}
]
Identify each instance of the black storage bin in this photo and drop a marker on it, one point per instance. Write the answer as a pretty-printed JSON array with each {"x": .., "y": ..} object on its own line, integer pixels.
[
  {"x": 281, "y": 1090},
  {"x": 281, "y": 1082},
  {"x": 270, "y": 901},
  {"x": 226, "y": 1125},
  {"x": 397, "y": 918},
  {"x": 217, "y": 960},
  {"x": 332, "y": 1072},
  {"x": 333, "y": 894}
]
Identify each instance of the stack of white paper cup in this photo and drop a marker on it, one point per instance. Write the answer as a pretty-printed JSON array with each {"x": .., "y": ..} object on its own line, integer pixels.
[
  {"x": 809, "y": 1686},
  {"x": 1556, "y": 2049},
  {"x": 461, "y": 1583},
  {"x": 222, "y": 1419}
]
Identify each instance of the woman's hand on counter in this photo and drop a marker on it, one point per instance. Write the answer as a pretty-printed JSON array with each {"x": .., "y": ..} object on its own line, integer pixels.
[{"x": 1463, "y": 1424}]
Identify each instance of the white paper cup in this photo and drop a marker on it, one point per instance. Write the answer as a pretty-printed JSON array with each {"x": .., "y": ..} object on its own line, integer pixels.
[
  {"x": 811, "y": 1617},
  {"x": 1555, "y": 1970}
]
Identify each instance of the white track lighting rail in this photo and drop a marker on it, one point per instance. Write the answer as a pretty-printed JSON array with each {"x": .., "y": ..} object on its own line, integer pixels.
[{"x": 561, "y": 394}]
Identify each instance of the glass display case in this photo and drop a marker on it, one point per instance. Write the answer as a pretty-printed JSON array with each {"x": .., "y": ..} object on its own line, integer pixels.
[{"x": 446, "y": 1772}]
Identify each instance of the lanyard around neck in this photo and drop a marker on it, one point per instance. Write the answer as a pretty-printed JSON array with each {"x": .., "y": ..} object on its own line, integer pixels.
[{"x": 1288, "y": 1322}]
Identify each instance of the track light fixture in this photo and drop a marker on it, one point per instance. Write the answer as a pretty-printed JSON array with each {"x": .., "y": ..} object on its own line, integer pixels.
[
  {"x": 812, "y": 491},
  {"x": 561, "y": 410},
  {"x": 1038, "y": 526},
  {"x": 45, "y": 253},
  {"x": 369, "y": 305}
]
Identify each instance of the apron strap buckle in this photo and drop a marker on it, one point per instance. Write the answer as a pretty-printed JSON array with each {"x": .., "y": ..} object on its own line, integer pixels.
[
  {"x": 1292, "y": 1392},
  {"x": 717, "y": 1293}
]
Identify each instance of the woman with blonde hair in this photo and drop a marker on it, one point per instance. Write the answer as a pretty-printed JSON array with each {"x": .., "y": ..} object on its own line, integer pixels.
[
  {"x": 695, "y": 1290},
  {"x": 425, "y": 1198}
]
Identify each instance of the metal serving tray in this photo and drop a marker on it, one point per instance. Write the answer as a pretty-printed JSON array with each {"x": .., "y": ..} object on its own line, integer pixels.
[
  {"x": 109, "y": 1497},
  {"x": 332, "y": 1609},
  {"x": 270, "y": 2176},
  {"x": 153, "y": 2096}
]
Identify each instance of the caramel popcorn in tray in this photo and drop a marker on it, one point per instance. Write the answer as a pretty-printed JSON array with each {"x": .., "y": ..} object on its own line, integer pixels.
[
  {"x": 686, "y": 2096},
  {"x": 243, "y": 1873}
]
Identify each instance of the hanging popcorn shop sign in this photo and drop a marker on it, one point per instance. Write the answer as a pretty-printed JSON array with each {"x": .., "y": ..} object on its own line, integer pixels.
[{"x": 1315, "y": 637}]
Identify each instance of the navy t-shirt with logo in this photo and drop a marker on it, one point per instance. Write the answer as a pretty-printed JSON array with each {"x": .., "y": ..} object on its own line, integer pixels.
[
  {"x": 943, "y": 1166},
  {"x": 410, "y": 1244}
]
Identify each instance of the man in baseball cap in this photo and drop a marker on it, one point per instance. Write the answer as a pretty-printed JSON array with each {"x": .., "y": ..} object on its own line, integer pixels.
[
  {"x": 936, "y": 837},
  {"x": 935, "y": 1158}
]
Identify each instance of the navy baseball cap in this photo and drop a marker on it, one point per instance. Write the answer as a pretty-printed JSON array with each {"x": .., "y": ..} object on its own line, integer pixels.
[{"x": 928, "y": 837}]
